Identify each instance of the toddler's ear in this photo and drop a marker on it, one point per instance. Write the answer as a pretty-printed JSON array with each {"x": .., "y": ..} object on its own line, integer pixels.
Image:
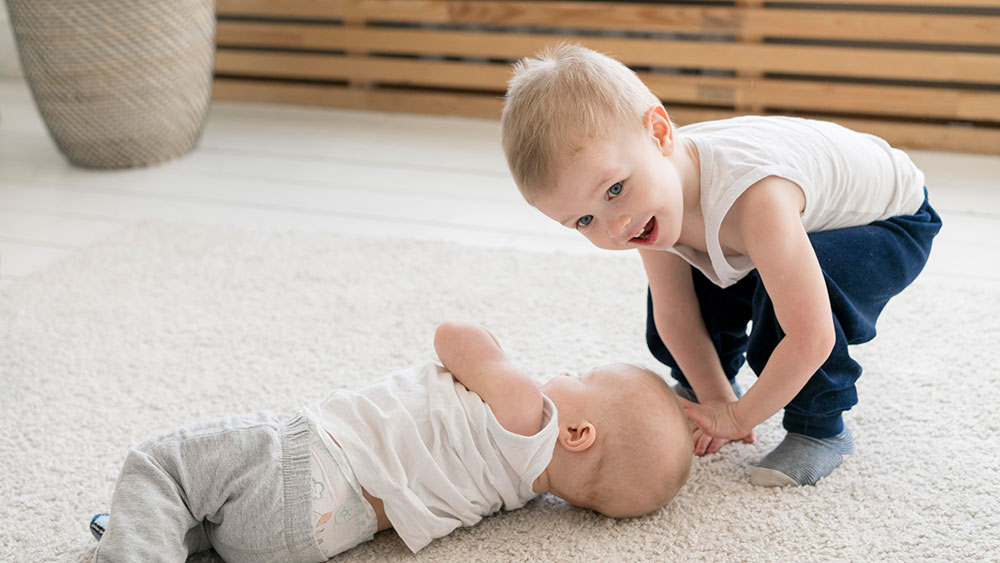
[
  {"x": 658, "y": 123},
  {"x": 578, "y": 438}
]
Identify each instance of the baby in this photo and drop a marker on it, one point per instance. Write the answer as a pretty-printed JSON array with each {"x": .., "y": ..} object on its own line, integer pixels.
[{"x": 424, "y": 451}]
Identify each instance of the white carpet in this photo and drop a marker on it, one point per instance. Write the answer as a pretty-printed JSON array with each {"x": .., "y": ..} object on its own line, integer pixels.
[{"x": 166, "y": 324}]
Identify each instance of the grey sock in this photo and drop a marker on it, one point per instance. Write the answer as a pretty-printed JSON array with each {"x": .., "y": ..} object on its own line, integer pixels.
[
  {"x": 802, "y": 460},
  {"x": 688, "y": 393}
]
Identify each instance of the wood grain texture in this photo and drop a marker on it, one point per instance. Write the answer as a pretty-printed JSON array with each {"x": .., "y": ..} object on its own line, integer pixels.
[{"x": 905, "y": 66}]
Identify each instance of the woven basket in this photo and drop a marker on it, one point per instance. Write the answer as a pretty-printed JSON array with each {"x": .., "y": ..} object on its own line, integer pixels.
[{"x": 119, "y": 83}]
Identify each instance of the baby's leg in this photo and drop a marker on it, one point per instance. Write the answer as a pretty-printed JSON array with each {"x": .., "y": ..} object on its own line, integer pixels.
[
  {"x": 149, "y": 519},
  {"x": 239, "y": 484}
]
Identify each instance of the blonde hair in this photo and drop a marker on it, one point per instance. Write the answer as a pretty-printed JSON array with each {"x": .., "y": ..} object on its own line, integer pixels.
[
  {"x": 646, "y": 451},
  {"x": 558, "y": 98}
]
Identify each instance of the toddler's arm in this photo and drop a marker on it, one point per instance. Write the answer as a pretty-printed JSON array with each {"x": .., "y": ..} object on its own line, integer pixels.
[
  {"x": 474, "y": 357},
  {"x": 680, "y": 326},
  {"x": 771, "y": 233}
]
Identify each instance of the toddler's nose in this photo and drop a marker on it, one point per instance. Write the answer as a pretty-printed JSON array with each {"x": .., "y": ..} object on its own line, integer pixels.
[{"x": 617, "y": 227}]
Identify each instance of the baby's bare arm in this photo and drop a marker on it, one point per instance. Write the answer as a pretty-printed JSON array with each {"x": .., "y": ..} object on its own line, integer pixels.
[{"x": 474, "y": 357}]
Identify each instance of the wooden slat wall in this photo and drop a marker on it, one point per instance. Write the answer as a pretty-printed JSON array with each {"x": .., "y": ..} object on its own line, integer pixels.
[{"x": 921, "y": 73}]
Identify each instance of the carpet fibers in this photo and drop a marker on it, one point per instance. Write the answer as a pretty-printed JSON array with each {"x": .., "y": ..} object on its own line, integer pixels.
[{"x": 166, "y": 324}]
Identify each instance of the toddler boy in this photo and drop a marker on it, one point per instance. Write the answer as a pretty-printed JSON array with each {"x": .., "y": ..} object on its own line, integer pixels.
[
  {"x": 425, "y": 451},
  {"x": 803, "y": 228}
]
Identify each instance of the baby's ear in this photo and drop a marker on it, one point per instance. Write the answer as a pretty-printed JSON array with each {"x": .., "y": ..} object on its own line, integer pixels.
[{"x": 579, "y": 437}]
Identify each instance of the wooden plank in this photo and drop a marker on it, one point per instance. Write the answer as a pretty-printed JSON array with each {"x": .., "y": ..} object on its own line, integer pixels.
[
  {"x": 571, "y": 15},
  {"x": 877, "y": 27},
  {"x": 791, "y": 59},
  {"x": 321, "y": 9},
  {"x": 748, "y": 20},
  {"x": 930, "y": 103},
  {"x": 947, "y": 4},
  {"x": 469, "y": 105},
  {"x": 909, "y": 101},
  {"x": 312, "y": 66}
]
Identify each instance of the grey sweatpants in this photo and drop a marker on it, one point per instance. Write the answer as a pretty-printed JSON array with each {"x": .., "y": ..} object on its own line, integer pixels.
[{"x": 240, "y": 484}]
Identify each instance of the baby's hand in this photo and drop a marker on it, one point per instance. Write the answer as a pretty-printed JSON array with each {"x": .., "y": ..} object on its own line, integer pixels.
[{"x": 717, "y": 422}]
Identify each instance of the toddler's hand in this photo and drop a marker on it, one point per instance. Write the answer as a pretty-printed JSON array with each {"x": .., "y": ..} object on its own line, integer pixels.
[
  {"x": 705, "y": 444},
  {"x": 717, "y": 421}
]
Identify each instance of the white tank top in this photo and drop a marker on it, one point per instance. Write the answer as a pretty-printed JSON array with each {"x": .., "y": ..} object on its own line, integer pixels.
[
  {"x": 433, "y": 451},
  {"x": 848, "y": 178}
]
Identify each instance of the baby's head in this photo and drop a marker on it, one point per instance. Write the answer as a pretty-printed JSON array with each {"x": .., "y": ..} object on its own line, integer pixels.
[
  {"x": 624, "y": 446},
  {"x": 559, "y": 100}
]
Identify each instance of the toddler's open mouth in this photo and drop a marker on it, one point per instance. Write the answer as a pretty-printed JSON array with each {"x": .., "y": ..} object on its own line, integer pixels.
[{"x": 648, "y": 234}]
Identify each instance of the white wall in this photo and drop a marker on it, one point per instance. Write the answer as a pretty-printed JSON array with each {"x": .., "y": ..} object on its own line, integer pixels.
[{"x": 9, "y": 65}]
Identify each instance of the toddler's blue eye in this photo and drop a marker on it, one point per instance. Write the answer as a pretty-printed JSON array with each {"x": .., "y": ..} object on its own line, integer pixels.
[
  {"x": 584, "y": 221},
  {"x": 615, "y": 189}
]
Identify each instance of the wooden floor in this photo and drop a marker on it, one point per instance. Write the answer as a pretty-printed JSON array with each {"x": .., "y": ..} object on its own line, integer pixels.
[{"x": 368, "y": 174}]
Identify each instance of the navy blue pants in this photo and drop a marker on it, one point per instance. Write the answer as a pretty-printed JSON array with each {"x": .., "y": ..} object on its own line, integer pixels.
[{"x": 864, "y": 267}]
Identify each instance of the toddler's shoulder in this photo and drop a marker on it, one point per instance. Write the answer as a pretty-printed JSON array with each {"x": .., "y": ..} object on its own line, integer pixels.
[
  {"x": 777, "y": 138},
  {"x": 758, "y": 125}
]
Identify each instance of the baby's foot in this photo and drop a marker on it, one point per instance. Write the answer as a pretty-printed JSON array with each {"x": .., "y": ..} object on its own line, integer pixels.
[
  {"x": 802, "y": 460},
  {"x": 98, "y": 524},
  {"x": 687, "y": 393}
]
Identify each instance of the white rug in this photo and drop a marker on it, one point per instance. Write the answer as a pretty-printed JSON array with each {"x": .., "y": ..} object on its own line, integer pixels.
[{"x": 166, "y": 324}]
